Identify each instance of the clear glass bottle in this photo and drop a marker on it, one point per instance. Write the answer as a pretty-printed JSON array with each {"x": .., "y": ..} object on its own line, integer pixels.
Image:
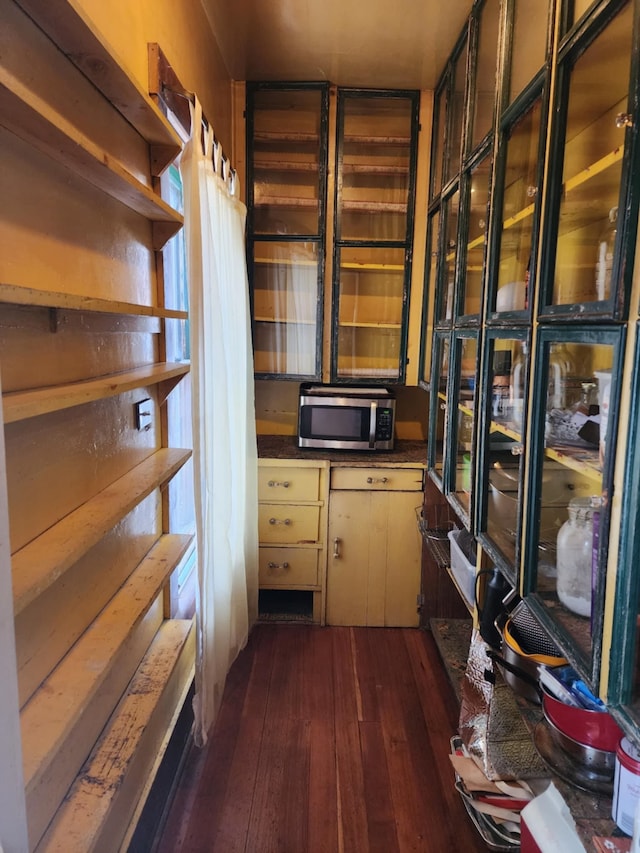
[
  {"x": 604, "y": 263},
  {"x": 574, "y": 555}
]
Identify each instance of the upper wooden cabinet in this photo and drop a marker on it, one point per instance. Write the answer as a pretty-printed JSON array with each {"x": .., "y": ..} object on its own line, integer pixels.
[
  {"x": 358, "y": 223},
  {"x": 287, "y": 191},
  {"x": 531, "y": 318}
]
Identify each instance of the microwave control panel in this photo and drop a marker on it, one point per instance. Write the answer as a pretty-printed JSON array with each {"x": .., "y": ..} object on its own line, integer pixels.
[{"x": 384, "y": 424}]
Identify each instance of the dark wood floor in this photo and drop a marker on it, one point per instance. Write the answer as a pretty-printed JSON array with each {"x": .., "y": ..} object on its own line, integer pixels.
[{"x": 328, "y": 739}]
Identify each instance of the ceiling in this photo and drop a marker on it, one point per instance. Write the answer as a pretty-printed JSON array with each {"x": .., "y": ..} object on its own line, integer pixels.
[{"x": 367, "y": 43}]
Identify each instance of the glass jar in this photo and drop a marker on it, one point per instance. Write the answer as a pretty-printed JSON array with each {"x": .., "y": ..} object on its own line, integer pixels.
[{"x": 574, "y": 553}]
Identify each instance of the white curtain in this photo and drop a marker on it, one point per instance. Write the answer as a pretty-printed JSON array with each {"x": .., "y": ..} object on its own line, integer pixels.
[{"x": 224, "y": 433}]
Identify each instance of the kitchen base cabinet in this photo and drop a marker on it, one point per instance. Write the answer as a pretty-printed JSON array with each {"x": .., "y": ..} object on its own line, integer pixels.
[
  {"x": 373, "y": 569},
  {"x": 292, "y": 528}
]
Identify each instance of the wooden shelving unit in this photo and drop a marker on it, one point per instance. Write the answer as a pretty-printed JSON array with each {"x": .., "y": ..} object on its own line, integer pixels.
[
  {"x": 44, "y": 560},
  {"x": 34, "y": 121},
  {"x": 123, "y": 661}
]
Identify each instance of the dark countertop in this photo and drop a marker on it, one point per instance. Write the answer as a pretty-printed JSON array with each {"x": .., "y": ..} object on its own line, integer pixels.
[
  {"x": 286, "y": 447},
  {"x": 591, "y": 812}
]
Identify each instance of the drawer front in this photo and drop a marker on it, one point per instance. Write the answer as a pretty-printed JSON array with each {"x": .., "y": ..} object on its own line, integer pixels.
[
  {"x": 288, "y": 566},
  {"x": 288, "y": 484},
  {"x": 377, "y": 479},
  {"x": 288, "y": 524}
]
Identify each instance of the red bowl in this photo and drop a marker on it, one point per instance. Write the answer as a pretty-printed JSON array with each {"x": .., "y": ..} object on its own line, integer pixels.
[{"x": 592, "y": 728}]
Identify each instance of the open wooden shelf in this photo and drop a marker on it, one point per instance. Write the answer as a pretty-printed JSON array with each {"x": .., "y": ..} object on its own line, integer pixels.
[
  {"x": 285, "y": 201},
  {"x": 17, "y": 294},
  {"x": 350, "y": 324},
  {"x": 37, "y": 123},
  {"x": 20, "y": 405},
  {"x": 374, "y": 169},
  {"x": 68, "y": 25},
  {"x": 76, "y": 696},
  {"x": 131, "y": 746},
  {"x": 44, "y": 560}
]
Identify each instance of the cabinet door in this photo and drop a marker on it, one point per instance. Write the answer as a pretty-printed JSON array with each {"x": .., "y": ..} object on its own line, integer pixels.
[
  {"x": 375, "y": 192},
  {"x": 287, "y": 174},
  {"x": 373, "y": 574},
  {"x": 591, "y": 200},
  {"x": 573, "y": 437}
]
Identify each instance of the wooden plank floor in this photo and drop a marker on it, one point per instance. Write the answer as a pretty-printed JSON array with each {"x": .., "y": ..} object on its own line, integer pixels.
[{"x": 328, "y": 739}]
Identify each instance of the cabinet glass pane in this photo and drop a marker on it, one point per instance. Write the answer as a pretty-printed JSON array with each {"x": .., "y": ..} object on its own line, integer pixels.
[
  {"x": 456, "y": 117},
  {"x": 576, "y": 391},
  {"x": 376, "y": 158},
  {"x": 507, "y": 377},
  {"x": 593, "y": 152},
  {"x": 484, "y": 100},
  {"x": 285, "y": 305},
  {"x": 529, "y": 44},
  {"x": 430, "y": 284},
  {"x": 518, "y": 209},
  {"x": 439, "y": 403},
  {"x": 464, "y": 427},
  {"x": 476, "y": 237},
  {"x": 370, "y": 311},
  {"x": 438, "y": 143},
  {"x": 285, "y": 155},
  {"x": 450, "y": 249}
]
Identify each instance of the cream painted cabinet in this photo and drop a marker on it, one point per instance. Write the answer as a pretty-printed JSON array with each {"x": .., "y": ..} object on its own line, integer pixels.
[
  {"x": 292, "y": 530},
  {"x": 373, "y": 567}
]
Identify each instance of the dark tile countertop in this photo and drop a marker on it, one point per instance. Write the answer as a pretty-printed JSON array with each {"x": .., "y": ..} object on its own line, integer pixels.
[
  {"x": 286, "y": 447},
  {"x": 591, "y": 811}
]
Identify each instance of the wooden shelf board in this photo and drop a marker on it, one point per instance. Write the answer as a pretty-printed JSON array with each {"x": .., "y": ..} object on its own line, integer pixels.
[
  {"x": 17, "y": 294},
  {"x": 286, "y": 262},
  {"x": 372, "y": 267},
  {"x": 104, "y": 794},
  {"x": 63, "y": 696},
  {"x": 284, "y": 166},
  {"x": 69, "y": 27},
  {"x": 358, "y": 139},
  {"x": 288, "y": 321},
  {"x": 37, "y": 123},
  {"x": 284, "y": 136},
  {"x": 20, "y": 405},
  {"x": 44, "y": 560},
  {"x": 584, "y": 461},
  {"x": 525, "y": 213},
  {"x": 285, "y": 201},
  {"x": 352, "y": 206},
  {"x": 374, "y": 169},
  {"x": 594, "y": 169},
  {"x": 371, "y": 325}
]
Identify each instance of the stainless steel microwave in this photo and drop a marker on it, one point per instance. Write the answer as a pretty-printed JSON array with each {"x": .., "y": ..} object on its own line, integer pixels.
[{"x": 345, "y": 418}]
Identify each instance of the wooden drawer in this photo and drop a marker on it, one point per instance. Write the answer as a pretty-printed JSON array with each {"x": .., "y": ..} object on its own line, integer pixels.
[
  {"x": 288, "y": 524},
  {"x": 288, "y": 567},
  {"x": 276, "y": 483},
  {"x": 377, "y": 479}
]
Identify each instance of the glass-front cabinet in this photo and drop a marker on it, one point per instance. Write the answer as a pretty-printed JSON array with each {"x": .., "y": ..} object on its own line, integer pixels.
[
  {"x": 539, "y": 303},
  {"x": 374, "y": 214},
  {"x": 286, "y": 194},
  {"x": 347, "y": 230}
]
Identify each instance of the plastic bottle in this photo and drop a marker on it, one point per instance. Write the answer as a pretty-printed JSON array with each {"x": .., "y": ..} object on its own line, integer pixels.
[{"x": 604, "y": 263}]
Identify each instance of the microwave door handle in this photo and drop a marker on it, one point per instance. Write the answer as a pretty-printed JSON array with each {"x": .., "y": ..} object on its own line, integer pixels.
[{"x": 372, "y": 425}]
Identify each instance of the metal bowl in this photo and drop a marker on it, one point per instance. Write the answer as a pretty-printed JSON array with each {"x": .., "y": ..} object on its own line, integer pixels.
[
  {"x": 593, "y": 728},
  {"x": 596, "y": 760}
]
